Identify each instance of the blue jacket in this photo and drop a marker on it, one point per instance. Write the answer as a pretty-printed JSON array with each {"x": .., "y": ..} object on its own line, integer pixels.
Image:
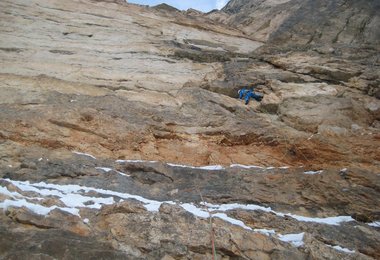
[
  {"x": 251, "y": 94},
  {"x": 242, "y": 93}
]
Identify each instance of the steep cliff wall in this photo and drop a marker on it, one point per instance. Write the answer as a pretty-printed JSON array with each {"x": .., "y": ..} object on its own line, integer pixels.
[
  {"x": 122, "y": 137},
  {"x": 306, "y": 22}
]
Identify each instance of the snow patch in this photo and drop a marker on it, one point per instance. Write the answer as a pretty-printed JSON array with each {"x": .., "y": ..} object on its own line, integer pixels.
[
  {"x": 335, "y": 221},
  {"x": 233, "y": 221},
  {"x": 209, "y": 167},
  {"x": 74, "y": 197},
  {"x": 253, "y": 207},
  {"x": 36, "y": 208},
  {"x": 191, "y": 208},
  {"x": 245, "y": 166},
  {"x": 135, "y": 161},
  {"x": 122, "y": 173},
  {"x": 342, "y": 249},
  {"x": 295, "y": 239},
  {"x": 76, "y": 200},
  {"x": 313, "y": 172},
  {"x": 153, "y": 206},
  {"x": 195, "y": 210},
  {"x": 268, "y": 232},
  {"x": 206, "y": 167},
  {"x": 226, "y": 207},
  {"x": 70, "y": 195},
  {"x": 374, "y": 224},
  {"x": 85, "y": 154},
  {"x": 257, "y": 167},
  {"x": 6, "y": 192},
  {"x": 104, "y": 169}
]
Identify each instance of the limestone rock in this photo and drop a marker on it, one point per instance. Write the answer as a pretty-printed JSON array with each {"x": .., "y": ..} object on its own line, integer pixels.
[
  {"x": 121, "y": 135},
  {"x": 306, "y": 22},
  {"x": 333, "y": 112}
]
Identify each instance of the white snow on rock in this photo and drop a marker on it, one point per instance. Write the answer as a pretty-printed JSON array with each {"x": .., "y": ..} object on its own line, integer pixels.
[
  {"x": 220, "y": 167},
  {"x": 328, "y": 221},
  {"x": 76, "y": 197},
  {"x": 313, "y": 172},
  {"x": 226, "y": 207},
  {"x": 257, "y": 167},
  {"x": 245, "y": 166},
  {"x": 205, "y": 214},
  {"x": 295, "y": 239},
  {"x": 268, "y": 232},
  {"x": 76, "y": 200},
  {"x": 124, "y": 174},
  {"x": 233, "y": 221},
  {"x": 104, "y": 169},
  {"x": 72, "y": 196},
  {"x": 209, "y": 167},
  {"x": 135, "y": 161},
  {"x": 195, "y": 210},
  {"x": 374, "y": 224},
  {"x": 206, "y": 167},
  {"x": 6, "y": 192},
  {"x": 36, "y": 208},
  {"x": 85, "y": 154},
  {"x": 342, "y": 249}
]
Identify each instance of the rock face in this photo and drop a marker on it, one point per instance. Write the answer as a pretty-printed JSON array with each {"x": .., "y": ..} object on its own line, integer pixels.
[
  {"x": 122, "y": 136},
  {"x": 306, "y": 22}
]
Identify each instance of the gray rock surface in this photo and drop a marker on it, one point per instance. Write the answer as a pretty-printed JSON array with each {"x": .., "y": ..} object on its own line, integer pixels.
[{"x": 298, "y": 22}]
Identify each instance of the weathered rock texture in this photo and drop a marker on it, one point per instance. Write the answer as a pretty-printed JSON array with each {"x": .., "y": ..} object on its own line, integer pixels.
[
  {"x": 159, "y": 86},
  {"x": 305, "y": 22}
]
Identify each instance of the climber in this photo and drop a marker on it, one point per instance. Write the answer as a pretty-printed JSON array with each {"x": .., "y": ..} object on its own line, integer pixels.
[
  {"x": 242, "y": 93},
  {"x": 251, "y": 94}
]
